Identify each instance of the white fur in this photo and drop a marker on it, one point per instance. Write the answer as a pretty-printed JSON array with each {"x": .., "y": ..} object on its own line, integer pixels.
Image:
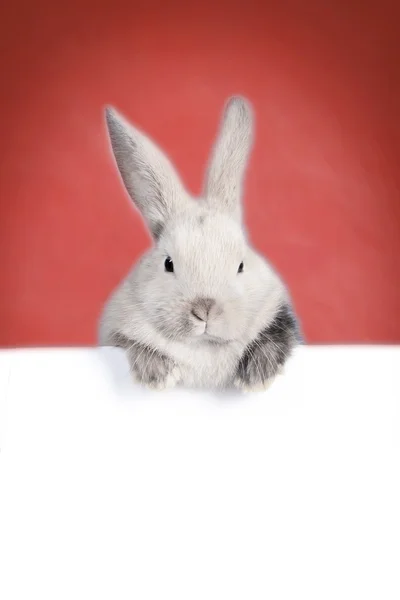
[{"x": 206, "y": 241}]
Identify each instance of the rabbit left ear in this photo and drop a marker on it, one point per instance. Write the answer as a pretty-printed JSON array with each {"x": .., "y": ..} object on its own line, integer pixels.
[
  {"x": 148, "y": 175},
  {"x": 224, "y": 180}
]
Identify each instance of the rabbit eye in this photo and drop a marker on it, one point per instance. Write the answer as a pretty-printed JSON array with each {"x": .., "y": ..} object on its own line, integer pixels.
[
  {"x": 240, "y": 269},
  {"x": 169, "y": 265}
]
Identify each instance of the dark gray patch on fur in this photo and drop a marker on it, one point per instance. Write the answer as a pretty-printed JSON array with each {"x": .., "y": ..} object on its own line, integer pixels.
[
  {"x": 149, "y": 366},
  {"x": 201, "y": 219},
  {"x": 119, "y": 340},
  {"x": 263, "y": 357}
]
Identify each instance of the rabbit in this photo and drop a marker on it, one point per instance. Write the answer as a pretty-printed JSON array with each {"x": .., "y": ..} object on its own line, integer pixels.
[{"x": 201, "y": 308}]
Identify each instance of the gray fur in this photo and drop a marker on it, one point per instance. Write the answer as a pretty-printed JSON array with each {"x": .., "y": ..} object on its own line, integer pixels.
[
  {"x": 204, "y": 323},
  {"x": 201, "y": 308},
  {"x": 150, "y": 367},
  {"x": 265, "y": 356}
]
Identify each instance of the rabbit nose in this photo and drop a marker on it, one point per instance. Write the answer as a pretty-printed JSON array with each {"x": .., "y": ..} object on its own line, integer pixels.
[{"x": 201, "y": 308}]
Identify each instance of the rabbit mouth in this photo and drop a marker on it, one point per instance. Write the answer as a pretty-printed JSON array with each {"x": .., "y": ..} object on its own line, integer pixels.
[{"x": 213, "y": 339}]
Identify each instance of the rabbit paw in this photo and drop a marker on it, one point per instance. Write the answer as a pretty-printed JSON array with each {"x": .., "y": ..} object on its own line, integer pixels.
[
  {"x": 151, "y": 368},
  {"x": 261, "y": 362}
]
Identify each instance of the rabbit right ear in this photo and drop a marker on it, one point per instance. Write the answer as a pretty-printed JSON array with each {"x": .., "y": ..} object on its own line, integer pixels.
[
  {"x": 148, "y": 175},
  {"x": 228, "y": 163}
]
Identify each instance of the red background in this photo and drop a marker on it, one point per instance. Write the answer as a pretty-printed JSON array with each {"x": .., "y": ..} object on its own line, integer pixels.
[{"x": 322, "y": 192}]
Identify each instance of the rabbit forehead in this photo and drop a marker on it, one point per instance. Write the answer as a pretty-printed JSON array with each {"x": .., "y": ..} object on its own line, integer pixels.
[{"x": 205, "y": 234}]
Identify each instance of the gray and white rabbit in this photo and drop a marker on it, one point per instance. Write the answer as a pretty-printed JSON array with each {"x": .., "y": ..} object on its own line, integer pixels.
[{"x": 201, "y": 307}]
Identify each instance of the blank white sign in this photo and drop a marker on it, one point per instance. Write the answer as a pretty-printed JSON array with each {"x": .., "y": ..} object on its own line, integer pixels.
[{"x": 108, "y": 491}]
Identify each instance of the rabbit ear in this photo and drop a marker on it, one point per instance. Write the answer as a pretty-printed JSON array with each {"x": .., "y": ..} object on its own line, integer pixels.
[
  {"x": 229, "y": 157},
  {"x": 148, "y": 175}
]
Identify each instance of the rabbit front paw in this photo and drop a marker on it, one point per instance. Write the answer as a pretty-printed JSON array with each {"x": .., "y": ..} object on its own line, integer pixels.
[
  {"x": 264, "y": 358},
  {"x": 151, "y": 368}
]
